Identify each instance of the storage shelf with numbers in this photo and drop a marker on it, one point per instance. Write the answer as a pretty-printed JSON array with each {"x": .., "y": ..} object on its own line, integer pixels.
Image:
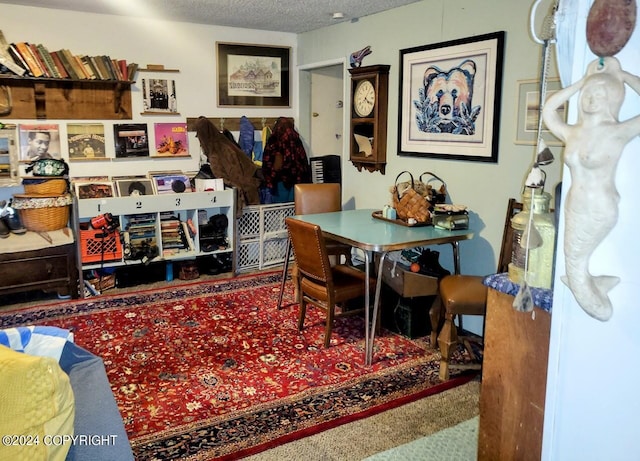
[{"x": 157, "y": 219}]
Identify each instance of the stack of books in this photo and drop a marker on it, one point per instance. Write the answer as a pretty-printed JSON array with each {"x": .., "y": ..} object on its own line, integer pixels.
[
  {"x": 30, "y": 60},
  {"x": 175, "y": 235},
  {"x": 140, "y": 235}
]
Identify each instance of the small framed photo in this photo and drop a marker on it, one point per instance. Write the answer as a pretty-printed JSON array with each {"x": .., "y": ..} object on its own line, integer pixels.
[
  {"x": 134, "y": 187},
  {"x": 86, "y": 190},
  {"x": 528, "y": 97},
  {"x": 159, "y": 96},
  {"x": 172, "y": 184}
]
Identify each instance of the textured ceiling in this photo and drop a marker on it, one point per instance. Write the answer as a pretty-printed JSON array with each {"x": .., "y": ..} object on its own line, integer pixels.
[{"x": 276, "y": 15}]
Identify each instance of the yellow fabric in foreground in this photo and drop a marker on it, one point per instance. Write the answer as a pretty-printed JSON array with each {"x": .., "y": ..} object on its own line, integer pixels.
[{"x": 37, "y": 403}]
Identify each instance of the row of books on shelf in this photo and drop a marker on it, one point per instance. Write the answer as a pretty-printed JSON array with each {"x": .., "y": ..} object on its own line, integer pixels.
[
  {"x": 30, "y": 60},
  {"x": 140, "y": 235}
]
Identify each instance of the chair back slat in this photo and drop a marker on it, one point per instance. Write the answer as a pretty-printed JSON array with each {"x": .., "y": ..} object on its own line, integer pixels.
[
  {"x": 316, "y": 198},
  {"x": 310, "y": 250},
  {"x": 513, "y": 207}
]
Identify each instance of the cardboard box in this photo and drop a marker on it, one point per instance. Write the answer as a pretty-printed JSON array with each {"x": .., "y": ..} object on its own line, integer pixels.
[{"x": 406, "y": 283}]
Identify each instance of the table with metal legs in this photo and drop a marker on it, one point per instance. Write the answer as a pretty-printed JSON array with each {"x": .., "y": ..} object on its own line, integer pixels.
[{"x": 360, "y": 229}]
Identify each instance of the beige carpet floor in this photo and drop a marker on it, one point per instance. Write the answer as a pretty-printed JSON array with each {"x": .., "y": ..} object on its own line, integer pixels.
[{"x": 361, "y": 439}]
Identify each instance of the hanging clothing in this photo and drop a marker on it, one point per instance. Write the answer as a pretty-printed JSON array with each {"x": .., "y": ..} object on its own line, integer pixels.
[
  {"x": 245, "y": 140},
  {"x": 229, "y": 162},
  {"x": 284, "y": 159}
]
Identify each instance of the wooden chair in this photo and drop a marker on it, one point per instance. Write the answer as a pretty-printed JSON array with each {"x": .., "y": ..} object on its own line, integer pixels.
[
  {"x": 466, "y": 295},
  {"x": 320, "y": 283},
  {"x": 310, "y": 199}
]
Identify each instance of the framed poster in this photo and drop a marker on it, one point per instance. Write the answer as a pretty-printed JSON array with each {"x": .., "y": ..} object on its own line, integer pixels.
[
  {"x": 253, "y": 75},
  {"x": 171, "y": 140},
  {"x": 528, "y": 97},
  {"x": 450, "y": 99},
  {"x": 86, "y": 141},
  {"x": 39, "y": 141},
  {"x": 131, "y": 140}
]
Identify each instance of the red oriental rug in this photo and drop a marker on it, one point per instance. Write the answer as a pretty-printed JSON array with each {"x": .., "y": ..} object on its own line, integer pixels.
[{"x": 214, "y": 371}]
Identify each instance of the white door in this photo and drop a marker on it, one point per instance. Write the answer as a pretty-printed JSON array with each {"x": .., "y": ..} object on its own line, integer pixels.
[{"x": 327, "y": 111}]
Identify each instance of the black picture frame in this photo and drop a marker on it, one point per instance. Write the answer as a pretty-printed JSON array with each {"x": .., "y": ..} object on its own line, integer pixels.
[
  {"x": 269, "y": 86},
  {"x": 432, "y": 122}
]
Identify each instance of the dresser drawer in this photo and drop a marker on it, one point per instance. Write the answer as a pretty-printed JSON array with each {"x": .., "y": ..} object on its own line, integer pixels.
[{"x": 29, "y": 270}]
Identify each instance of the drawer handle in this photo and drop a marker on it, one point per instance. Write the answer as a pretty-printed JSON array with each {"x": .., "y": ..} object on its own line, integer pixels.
[{"x": 49, "y": 268}]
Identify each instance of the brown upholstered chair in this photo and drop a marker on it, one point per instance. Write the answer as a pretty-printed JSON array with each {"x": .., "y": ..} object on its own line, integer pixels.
[
  {"x": 322, "y": 284},
  {"x": 466, "y": 295},
  {"x": 310, "y": 199}
]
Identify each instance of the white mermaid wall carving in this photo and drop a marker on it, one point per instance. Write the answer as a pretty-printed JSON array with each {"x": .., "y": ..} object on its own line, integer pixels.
[{"x": 593, "y": 147}]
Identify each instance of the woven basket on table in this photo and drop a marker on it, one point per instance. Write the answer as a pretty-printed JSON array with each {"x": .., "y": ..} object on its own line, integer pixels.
[
  {"x": 40, "y": 213},
  {"x": 42, "y": 186}
]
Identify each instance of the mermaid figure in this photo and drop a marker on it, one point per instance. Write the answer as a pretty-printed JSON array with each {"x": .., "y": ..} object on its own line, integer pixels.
[{"x": 593, "y": 147}]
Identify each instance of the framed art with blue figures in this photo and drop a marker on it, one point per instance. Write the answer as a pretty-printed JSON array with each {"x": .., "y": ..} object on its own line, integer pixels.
[{"x": 450, "y": 99}]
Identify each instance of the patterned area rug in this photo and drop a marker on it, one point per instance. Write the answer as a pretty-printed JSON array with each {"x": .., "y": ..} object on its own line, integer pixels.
[{"x": 214, "y": 371}]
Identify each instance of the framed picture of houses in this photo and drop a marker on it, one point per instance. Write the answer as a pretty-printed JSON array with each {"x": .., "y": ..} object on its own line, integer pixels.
[{"x": 253, "y": 75}]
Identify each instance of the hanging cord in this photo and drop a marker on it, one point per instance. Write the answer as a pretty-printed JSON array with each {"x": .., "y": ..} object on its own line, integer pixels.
[{"x": 546, "y": 38}]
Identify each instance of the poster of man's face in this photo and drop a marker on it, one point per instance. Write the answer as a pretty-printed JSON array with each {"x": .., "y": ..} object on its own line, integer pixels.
[{"x": 38, "y": 142}]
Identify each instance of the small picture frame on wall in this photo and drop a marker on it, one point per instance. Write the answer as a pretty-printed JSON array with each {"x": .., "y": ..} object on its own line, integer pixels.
[
  {"x": 253, "y": 75},
  {"x": 528, "y": 97},
  {"x": 159, "y": 96}
]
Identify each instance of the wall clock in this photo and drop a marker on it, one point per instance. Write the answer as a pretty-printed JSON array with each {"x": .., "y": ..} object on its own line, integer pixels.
[{"x": 369, "y": 105}]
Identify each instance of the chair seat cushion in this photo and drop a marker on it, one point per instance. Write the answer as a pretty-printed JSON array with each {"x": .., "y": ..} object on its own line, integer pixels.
[
  {"x": 463, "y": 294},
  {"x": 348, "y": 283}
]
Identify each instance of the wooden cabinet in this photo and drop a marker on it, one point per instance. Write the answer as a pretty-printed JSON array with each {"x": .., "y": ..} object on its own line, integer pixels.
[
  {"x": 514, "y": 376},
  {"x": 369, "y": 104},
  {"x": 49, "y": 269},
  {"x": 55, "y": 99}
]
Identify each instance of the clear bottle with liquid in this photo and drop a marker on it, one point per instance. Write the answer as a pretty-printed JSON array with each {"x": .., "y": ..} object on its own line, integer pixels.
[{"x": 541, "y": 258}]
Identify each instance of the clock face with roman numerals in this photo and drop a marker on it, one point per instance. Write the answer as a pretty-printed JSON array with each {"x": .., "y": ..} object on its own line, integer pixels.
[{"x": 364, "y": 98}]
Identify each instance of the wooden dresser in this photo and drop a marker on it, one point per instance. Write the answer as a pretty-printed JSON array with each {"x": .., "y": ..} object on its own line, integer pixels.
[
  {"x": 514, "y": 376},
  {"x": 29, "y": 262}
]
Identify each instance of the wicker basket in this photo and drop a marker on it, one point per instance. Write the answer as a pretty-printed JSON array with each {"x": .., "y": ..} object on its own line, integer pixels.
[
  {"x": 43, "y": 213},
  {"x": 46, "y": 187}
]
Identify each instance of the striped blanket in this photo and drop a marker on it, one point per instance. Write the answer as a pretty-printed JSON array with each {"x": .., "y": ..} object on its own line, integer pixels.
[{"x": 42, "y": 341}]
